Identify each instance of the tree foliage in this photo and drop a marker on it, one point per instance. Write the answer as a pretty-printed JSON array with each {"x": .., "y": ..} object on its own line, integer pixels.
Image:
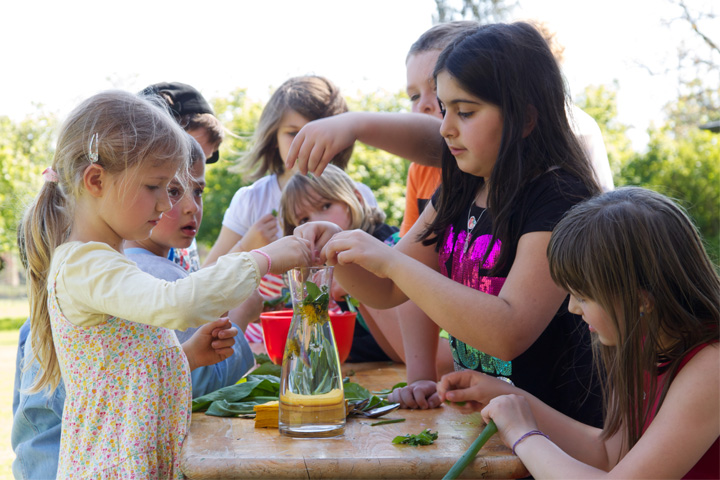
[
  {"x": 484, "y": 11},
  {"x": 26, "y": 149}
]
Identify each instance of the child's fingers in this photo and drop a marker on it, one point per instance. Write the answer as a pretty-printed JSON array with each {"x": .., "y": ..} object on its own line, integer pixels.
[
  {"x": 224, "y": 353},
  {"x": 221, "y": 344},
  {"x": 226, "y": 333}
]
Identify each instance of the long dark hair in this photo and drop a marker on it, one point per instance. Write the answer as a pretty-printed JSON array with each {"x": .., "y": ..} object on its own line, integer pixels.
[
  {"x": 510, "y": 66},
  {"x": 637, "y": 254}
]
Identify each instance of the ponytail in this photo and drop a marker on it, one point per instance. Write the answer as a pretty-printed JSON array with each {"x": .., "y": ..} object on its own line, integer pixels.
[{"x": 45, "y": 225}]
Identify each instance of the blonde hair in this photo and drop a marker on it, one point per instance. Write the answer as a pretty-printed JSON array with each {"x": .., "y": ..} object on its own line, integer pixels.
[
  {"x": 125, "y": 130},
  {"x": 637, "y": 254},
  {"x": 333, "y": 185},
  {"x": 313, "y": 97}
]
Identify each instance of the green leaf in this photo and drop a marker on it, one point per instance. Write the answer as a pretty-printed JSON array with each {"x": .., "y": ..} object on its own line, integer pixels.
[
  {"x": 313, "y": 291},
  {"x": 426, "y": 437},
  {"x": 256, "y": 385},
  {"x": 386, "y": 422}
]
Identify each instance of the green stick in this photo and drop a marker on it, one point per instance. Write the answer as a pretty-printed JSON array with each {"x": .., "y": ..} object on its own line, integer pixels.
[
  {"x": 386, "y": 422},
  {"x": 467, "y": 457}
]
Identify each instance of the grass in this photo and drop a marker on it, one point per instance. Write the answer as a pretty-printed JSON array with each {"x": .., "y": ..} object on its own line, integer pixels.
[
  {"x": 13, "y": 312},
  {"x": 8, "y": 352}
]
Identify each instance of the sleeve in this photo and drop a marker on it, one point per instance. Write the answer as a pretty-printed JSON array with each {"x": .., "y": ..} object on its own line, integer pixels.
[
  {"x": 548, "y": 199},
  {"x": 236, "y": 218},
  {"x": 97, "y": 281},
  {"x": 411, "y": 203}
]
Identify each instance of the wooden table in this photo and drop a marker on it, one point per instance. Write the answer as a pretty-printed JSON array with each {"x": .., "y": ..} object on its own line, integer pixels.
[{"x": 230, "y": 448}]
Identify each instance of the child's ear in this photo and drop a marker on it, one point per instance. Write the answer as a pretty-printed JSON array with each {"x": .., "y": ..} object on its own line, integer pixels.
[
  {"x": 647, "y": 303},
  {"x": 360, "y": 198},
  {"x": 95, "y": 179},
  {"x": 530, "y": 120}
]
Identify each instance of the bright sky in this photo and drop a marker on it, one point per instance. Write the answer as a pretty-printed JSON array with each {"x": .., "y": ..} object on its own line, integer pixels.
[{"x": 57, "y": 53}]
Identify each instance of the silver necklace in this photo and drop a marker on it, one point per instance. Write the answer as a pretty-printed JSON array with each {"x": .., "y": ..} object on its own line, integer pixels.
[{"x": 472, "y": 222}]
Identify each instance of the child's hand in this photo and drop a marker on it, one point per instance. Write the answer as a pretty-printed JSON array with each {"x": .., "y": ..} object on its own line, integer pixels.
[
  {"x": 512, "y": 415},
  {"x": 263, "y": 232},
  {"x": 317, "y": 143},
  {"x": 469, "y": 390},
  {"x": 360, "y": 248},
  {"x": 318, "y": 233},
  {"x": 421, "y": 394},
  {"x": 210, "y": 344},
  {"x": 290, "y": 252}
]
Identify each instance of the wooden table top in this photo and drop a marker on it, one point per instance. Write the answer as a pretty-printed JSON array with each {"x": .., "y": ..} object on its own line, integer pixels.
[{"x": 232, "y": 448}]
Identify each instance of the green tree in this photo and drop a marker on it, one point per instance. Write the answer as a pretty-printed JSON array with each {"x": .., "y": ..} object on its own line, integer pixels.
[
  {"x": 600, "y": 102},
  {"x": 686, "y": 169},
  {"x": 239, "y": 115},
  {"x": 485, "y": 11},
  {"x": 26, "y": 148}
]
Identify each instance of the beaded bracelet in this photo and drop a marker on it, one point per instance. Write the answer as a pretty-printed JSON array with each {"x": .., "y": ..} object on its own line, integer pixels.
[
  {"x": 528, "y": 434},
  {"x": 269, "y": 260}
]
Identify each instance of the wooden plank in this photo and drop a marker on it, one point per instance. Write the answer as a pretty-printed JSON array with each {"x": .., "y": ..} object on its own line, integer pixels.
[{"x": 232, "y": 448}]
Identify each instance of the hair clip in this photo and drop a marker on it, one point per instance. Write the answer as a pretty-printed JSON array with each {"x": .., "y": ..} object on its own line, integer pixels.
[{"x": 94, "y": 142}]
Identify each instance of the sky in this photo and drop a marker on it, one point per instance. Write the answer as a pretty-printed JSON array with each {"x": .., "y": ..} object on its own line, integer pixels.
[{"x": 56, "y": 53}]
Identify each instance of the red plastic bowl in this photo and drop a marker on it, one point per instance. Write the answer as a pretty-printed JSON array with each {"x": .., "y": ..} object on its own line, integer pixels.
[{"x": 276, "y": 326}]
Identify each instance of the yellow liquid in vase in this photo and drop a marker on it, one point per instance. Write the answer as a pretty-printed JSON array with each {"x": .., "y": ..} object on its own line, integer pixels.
[{"x": 312, "y": 415}]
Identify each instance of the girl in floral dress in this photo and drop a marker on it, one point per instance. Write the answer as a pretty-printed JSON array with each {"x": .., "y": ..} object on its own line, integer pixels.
[{"x": 99, "y": 322}]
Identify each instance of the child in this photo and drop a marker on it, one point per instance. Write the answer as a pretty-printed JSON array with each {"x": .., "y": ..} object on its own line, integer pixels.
[
  {"x": 250, "y": 221},
  {"x": 37, "y": 418},
  {"x": 99, "y": 320},
  {"x": 427, "y": 356},
  {"x": 474, "y": 262},
  {"x": 637, "y": 272},
  {"x": 422, "y": 181},
  {"x": 177, "y": 229},
  {"x": 334, "y": 197},
  {"x": 195, "y": 115}
]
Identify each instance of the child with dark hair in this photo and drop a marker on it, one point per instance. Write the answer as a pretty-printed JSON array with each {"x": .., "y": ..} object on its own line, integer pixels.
[
  {"x": 475, "y": 260},
  {"x": 638, "y": 273}
]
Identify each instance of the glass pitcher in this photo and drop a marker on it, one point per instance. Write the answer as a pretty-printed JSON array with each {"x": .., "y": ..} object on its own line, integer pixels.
[{"x": 312, "y": 400}]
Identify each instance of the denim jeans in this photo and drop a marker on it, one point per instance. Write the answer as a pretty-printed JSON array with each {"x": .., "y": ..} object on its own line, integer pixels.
[{"x": 37, "y": 419}]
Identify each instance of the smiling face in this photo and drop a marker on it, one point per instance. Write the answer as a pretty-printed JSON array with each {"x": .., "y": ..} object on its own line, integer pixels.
[
  {"x": 596, "y": 317},
  {"x": 421, "y": 84},
  {"x": 178, "y": 227},
  {"x": 471, "y": 127}
]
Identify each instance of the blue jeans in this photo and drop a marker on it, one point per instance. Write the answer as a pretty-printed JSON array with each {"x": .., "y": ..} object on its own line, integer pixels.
[{"x": 37, "y": 419}]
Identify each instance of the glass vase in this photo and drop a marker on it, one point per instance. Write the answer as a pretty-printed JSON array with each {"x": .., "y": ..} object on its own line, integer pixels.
[{"x": 312, "y": 400}]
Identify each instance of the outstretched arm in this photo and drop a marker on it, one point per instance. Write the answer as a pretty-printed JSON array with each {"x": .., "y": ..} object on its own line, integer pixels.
[
  {"x": 383, "y": 277},
  {"x": 413, "y": 136}
]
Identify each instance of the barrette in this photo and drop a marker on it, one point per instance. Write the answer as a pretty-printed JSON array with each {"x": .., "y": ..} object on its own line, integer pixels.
[{"x": 93, "y": 148}]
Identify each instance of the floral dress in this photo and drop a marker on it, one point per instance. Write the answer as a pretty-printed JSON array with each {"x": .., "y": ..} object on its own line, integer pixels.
[{"x": 128, "y": 403}]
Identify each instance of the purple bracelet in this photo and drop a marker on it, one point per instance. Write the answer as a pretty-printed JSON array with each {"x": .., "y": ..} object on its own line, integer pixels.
[
  {"x": 528, "y": 434},
  {"x": 269, "y": 260}
]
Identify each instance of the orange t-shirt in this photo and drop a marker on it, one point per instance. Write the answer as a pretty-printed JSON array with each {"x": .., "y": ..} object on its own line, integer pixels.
[{"x": 422, "y": 181}]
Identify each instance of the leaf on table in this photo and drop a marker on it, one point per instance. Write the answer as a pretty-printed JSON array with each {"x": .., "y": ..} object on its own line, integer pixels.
[
  {"x": 254, "y": 386},
  {"x": 426, "y": 437}
]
